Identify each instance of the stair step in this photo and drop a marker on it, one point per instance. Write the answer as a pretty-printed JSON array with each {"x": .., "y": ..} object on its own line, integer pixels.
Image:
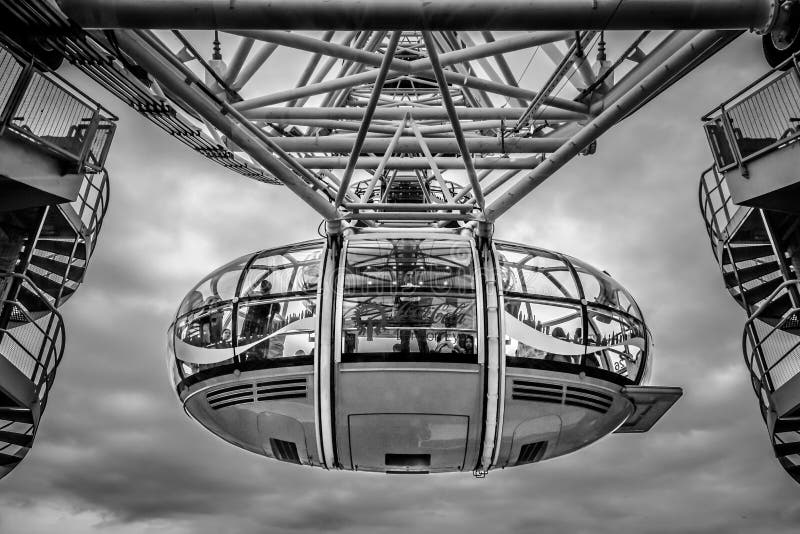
[
  {"x": 750, "y": 273},
  {"x": 23, "y": 440},
  {"x": 773, "y": 313},
  {"x": 63, "y": 248},
  {"x": 31, "y": 301},
  {"x": 758, "y": 293},
  {"x": 787, "y": 226},
  {"x": 18, "y": 415},
  {"x": 748, "y": 252},
  {"x": 787, "y": 425},
  {"x": 58, "y": 267},
  {"x": 793, "y": 470},
  {"x": 9, "y": 459},
  {"x": 785, "y": 449},
  {"x": 47, "y": 285}
]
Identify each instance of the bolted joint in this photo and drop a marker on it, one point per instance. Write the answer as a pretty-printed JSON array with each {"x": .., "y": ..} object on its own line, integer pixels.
[
  {"x": 484, "y": 230},
  {"x": 783, "y": 22},
  {"x": 333, "y": 227}
]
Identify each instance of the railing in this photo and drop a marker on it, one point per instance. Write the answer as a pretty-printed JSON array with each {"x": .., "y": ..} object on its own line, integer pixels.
[
  {"x": 91, "y": 206},
  {"x": 47, "y": 109},
  {"x": 759, "y": 119},
  {"x": 33, "y": 345},
  {"x": 716, "y": 206},
  {"x": 771, "y": 353}
]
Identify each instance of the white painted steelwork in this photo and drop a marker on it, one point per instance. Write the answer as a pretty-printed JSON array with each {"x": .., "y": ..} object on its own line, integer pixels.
[
  {"x": 431, "y": 104},
  {"x": 443, "y": 90}
]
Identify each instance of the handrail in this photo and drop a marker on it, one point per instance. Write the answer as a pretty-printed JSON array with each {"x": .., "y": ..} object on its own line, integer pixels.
[
  {"x": 764, "y": 377},
  {"x": 51, "y": 344},
  {"x": 770, "y": 298},
  {"x": 762, "y": 117},
  {"x": 715, "y": 226},
  {"x": 91, "y": 206},
  {"x": 6, "y": 45},
  {"x": 790, "y": 60}
]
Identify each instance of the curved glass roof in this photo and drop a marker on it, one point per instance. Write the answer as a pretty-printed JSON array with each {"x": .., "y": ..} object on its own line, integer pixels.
[
  {"x": 534, "y": 271},
  {"x": 272, "y": 272}
]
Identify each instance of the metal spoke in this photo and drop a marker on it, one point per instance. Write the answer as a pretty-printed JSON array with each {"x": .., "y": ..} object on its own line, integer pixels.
[
  {"x": 454, "y": 121},
  {"x": 403, "y": 101},
  {"x": 362, "y": 132}
]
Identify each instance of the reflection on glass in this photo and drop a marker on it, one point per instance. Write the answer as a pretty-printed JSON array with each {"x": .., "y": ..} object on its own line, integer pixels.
[
  {"x": 287, "y": 271},
  {"x": 559, "y": 308},
  {"x": 409, "y": 265},
  {"x": 408, "y": 324},
  {"x": 215, "y": 288},
  {"x": 624, "y": 338},
  {"x": 214, "y": 328},
  {"x": 529, "y": 323},
  {"x": 600, "y": 288},
  {"x": 612, "y": 341},
  {"x": 207, "y": 328},
  {"x": 276, "y": 329},
  {"x": 409, "y": 296},
  {"x": 535, "y": 272}
]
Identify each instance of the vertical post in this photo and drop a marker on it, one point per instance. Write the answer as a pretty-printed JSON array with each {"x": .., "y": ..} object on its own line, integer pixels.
[
  {"x": 86, "y": 147},
  {"x": 730, "y": 134},
  {"x": 326, "y": 340},
  {"x": 15, "y": 97},
  {"x": 493, "y": 363},
  {"x": 111, "y": 129}
]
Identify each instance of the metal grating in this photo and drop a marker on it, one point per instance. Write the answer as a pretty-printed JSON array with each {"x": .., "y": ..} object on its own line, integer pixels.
[
  {"x": 292, "y": 388},
  {"x": 587, "y": 398},
  {"x": 230, "y": 396},
  {"x": 531, "y": 452},
  {"x": 527, "y": 390},
  {"x": 289, "y": 388},
  {"x": 537, "y": 391},
  {"x": 284, "y": 450}
]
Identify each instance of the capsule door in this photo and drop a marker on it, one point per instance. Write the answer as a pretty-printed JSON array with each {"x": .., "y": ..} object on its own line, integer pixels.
[{"x": 408, "y": 382}]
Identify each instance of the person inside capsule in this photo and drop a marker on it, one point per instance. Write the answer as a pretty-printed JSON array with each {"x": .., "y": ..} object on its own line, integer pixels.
[
  {"x": 410, "y": 297},
  {"x": 565, "y": 311}
]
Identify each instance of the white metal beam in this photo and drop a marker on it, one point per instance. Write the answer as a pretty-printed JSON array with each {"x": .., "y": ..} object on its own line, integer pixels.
[
  {"x": 397, "y": 113},
  {"x": 439, "y": 145},
  {"x": 454, "y": 121},
  {"x": 600, "y": 124},
  {"x": 212, "y": 111},
  {"x": 370, "y": 109},
  {"x": 412, "y": 163}
]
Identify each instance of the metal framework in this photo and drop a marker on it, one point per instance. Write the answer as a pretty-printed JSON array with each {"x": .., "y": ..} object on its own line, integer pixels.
[{"x": 411, "y": 112}]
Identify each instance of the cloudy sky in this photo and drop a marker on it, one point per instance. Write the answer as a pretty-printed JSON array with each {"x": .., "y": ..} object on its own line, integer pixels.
[{"x": 116, "y": 454}]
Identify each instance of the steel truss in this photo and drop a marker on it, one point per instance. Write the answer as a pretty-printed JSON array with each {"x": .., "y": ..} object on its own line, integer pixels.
[{"x": 436, "y": 120}]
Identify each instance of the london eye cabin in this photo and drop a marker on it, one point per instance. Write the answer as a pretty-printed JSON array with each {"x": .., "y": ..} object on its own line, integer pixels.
[{"x": 396, "y": 351}]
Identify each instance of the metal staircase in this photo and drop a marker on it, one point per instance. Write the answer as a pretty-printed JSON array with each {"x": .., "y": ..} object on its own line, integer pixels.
[
  {"x": 772, "y": 353},
  {"x": 32, "y": 344},
  {"x": 758, "y": 252},
  {"x": 45, "y": 242},
  {"x": 49, "y": 270}
]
